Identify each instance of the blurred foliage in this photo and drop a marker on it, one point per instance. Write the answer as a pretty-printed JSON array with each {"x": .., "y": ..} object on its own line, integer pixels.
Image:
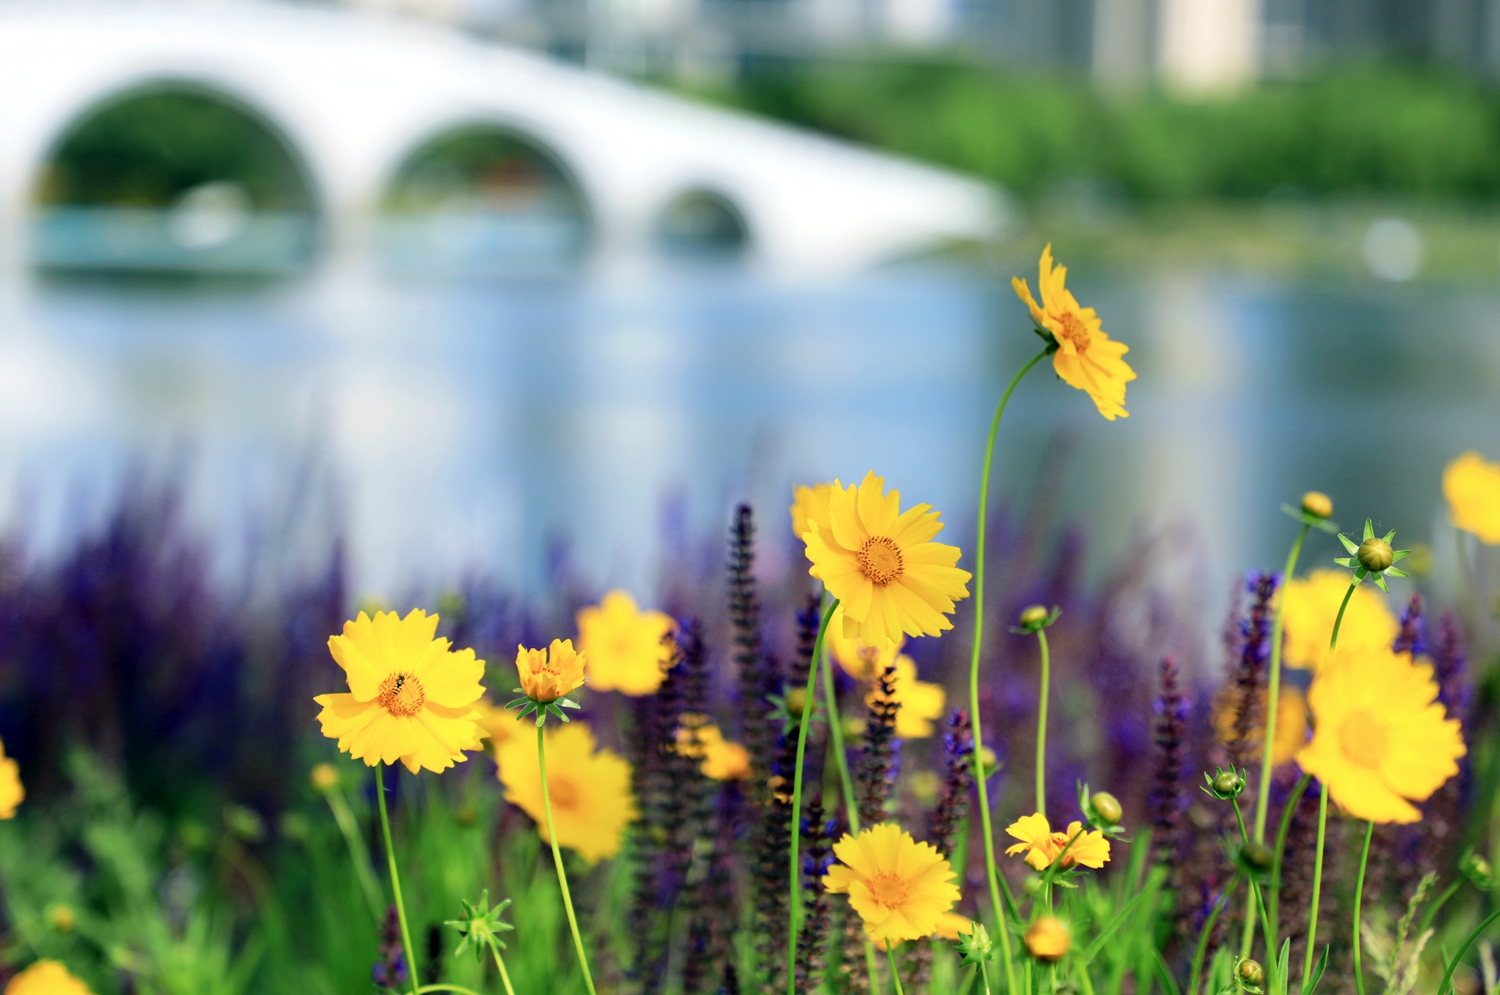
[{"x": 1354, "y": 130}]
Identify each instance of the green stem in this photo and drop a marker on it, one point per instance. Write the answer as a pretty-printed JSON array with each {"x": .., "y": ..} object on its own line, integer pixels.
[
  {"x": 562, "y": 875},
  {"x": 984, "y": 973},
  {"x": 448, "y": 988},
  {"x": 500, "y": 963},
  {"x": 1273, "y": 694},
  {"x": 359, "y": 853},
  {"x": 1041, "y": 725},
  {"x": 836, "y": 737},
  {"x": 390, "y": 853},
  {"x": 1438, "y": 903},
  {"x": 1359, "y": 896},
  {"x": 794, "y": 875},
  {"x": 991, "y": 873},
  {"x": 1282, "y": 830},
  {"x": 895, "y": 975},
  {"x": 1252, "y": 900},
  {"x": 1196, "y": 974},
  {"x": 1317, "y": 889},
  {"x": 1333, "y": 642},
  {"x": 1446, "y": 984}
]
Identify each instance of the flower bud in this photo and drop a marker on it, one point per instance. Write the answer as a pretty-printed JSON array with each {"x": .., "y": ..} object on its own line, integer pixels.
[
  {"x": 1477, "y": 870},
  {"x": 1227, "y": 784},
  {"x": 324, "y": 776},
  {"x": 795, "y": 699},
  {"x": 1251, "y": 973},
  {"x": 60, "y": 917},
  {"x": 1107, "y": 808},
  {"x": 1257, "y": 856},
  {"x": 1375, "y": 555},
  {"x": 1048, "y": 939},
  {"x": 1317, "y": 504},
  {"x": 1033, "y": 616}
]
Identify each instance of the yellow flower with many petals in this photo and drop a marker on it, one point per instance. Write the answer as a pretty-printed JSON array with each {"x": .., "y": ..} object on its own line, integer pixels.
[
  {"x": 411, "y": 697},
  {"x": 1042, "y": 846},
  {"x": 628, "y": 650},
  {"x": 46, "y": 977},
  {"x": 701, "y": 738},
  {"x": 1291, "y": 724},
  {"x": 1472, "y": 486},
  {"x": 1312, "y": 605},
  {"x": 882, "y": 565},
  {"x": 590, "y": 789},
  {"x": 860, "y": 661},
  {"x": 1086, "y": 358},
  {"x": 1048, "y": 939},
  {"x": 920, "y": 701},
  {"x": 899, "y": 887},
  {"x": 12, "y": 793},
  {"x": 809, "y": 507},
  {"x": 546, "y": 675},
  {"x": 1381, "y": 740}
]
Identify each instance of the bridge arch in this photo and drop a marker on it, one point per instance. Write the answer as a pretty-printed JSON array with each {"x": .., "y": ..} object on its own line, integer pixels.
[
  {"x": 702, "y": 224},
  {"x": 173, "y": 175}
]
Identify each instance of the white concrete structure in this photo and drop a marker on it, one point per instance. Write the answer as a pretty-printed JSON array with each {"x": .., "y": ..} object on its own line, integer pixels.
[{"x": 353, "y": 94}]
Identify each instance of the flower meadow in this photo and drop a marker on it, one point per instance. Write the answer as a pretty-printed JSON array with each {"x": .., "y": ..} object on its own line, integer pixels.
[{"x": 910, "y": 767}]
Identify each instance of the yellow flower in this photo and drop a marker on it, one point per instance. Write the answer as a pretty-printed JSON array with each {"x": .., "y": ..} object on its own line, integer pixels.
[
  {"x": 882, "y": 565},
  {"x": 12, "y": 793},
  {"x": 1312, "y": 605},
  {"x": 500, "y": 725},
  {"x": 1472, "y": 486},
  {"x": 1047, "y": 939},
  {"x": 627, "y": 650},
  {"x": 1291, "y": 724},
  {"x": 324, "y": 777},
  {"x": 899, "y": 887},
  {"x": 860, "y": 661},
  {"x": 546, "y": 675},
  {"x": 701, "y": 738},
  {"x": 1381, "y": 740},
  {"x": 1086, "y": 358},
  {"x": 920, "y": 701},
  {"x": 951, "y": 925},
  {"x": 412, "y": 698},
  {"x": 590, "y": 789},
  {"x": 1042, "y": 846},
  {"x": 46, "y": 977},
  {"x": 809, "y": 506}
]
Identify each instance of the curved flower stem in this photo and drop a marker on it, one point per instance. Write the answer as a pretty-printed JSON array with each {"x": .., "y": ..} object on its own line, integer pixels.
[
  {"x": 1446, "y": 985},
  {"x": 449, "y": 988},
  {"x": 1195, "y": 976},
  {"x": 895, "y": 975},
  {"x": 991, "y": 872},
  {"x": 390, "y": 853},
  {"x": 358, "y": 851},
  {"x": 1359, "y": 897},
  {"x": 1293, "y": 800},
  {"x": 562, "y": 875},
  {"x": 500, "y": 963},
  {"x": 1041, "y": 724},
  {"x": 1339, "y": 620},
  {"x": 795, "y": 870},
  {"x": 1273, "y": 695},
  {"x": 1312, "y": 911}
]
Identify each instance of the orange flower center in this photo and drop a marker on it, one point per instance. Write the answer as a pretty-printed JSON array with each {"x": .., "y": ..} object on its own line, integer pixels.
[
  {"x": 564, "y": 792},
  {"x": 880, "y": 559},
  {"x": 1364, "y": 739},
  {"x": 402, "y": 694},
  {"x": 889, "y": 890},
  {"x": 1074, "y": 330}
]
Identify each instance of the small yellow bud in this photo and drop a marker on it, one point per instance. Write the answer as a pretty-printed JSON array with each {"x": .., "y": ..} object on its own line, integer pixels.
[
  {"x": 1318, "y": 504},
  {"x": 1251, "y": 973},
  {"x": 466, "y": 816},
  {"x": 1034, "y": 615},
  {"x": 1107, "y": 807},
  {"x": 796, "y": 698},
  {"x": 1375, "y": 555},
  {"x": 1048, "y": 939},
  {"x": 60, "y": 917},
  {"x": 324, "y": 776}
]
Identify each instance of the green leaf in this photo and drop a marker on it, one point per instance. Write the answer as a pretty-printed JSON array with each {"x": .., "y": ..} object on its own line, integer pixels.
[
  {"x": 1396, "y": 572},
  {"x": 1119, "y": 920},
  {"x": 1317, "y": 974}
]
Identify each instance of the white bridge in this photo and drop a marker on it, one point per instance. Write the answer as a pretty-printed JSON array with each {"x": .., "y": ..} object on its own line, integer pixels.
[{"x": 351, "y": 97}]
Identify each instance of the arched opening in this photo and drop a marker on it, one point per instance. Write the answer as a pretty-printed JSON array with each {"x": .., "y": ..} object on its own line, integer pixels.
[
  {"x": 702, "y": 226},
  {"x": 173, "y": 178},
  {"x": 484, "y": 200}
]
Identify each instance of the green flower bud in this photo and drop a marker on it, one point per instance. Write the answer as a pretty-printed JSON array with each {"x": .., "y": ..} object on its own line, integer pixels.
[
  {"x": 1034, "y": 615},
  {"x": 1107, "y": 808},
  {"x": 1317, "y": 503},
  {"x": 1227, "y": 784},
  {"x": 1477, "y": 869},
  {"x": 1251, "y": 973},
  {"x": 1375, "y": 555},
  {"x": 1257, "y": 856}
]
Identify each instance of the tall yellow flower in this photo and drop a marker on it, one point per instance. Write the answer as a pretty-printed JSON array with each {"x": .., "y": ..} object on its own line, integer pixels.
[
  {"x": 590, "y": 789},
  {"x": 12, "y": 793},
  {"x": 411, "y": 697},
  {"x": 627, "y": 650},
  {"x": 882, "y": 565},
  {"x": 1381, "y": 740},
  {"x": 1312, "y": 605},
  {"x": 809, "y": 507},
  {"x": 546, "y": 675},
  {"x": 46, "y": 977},
  {"x": 1042, "y": 846},
  {"x": 1472, "y": 486},
  {"x": 860, "y": 661},
  {"x": 723, "y": 759},
  {"x": 1086, "y": 358},
  {"x": 899, "y": 887},
  {"x": 920, "y": 701}
]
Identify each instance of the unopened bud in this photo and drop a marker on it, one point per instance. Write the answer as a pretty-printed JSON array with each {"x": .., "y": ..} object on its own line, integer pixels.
[
  {"x": 1251, "y": 973},
  {"x": 60, "y": 917},
  {"x": 1107, "y": 807},
  {"x": 1375, "y": 555},
  {"x": 795, "y": 699},
  {"x": 1317, "y": 503},
  {"x": 324, "y": 776},
  {"x": 1257, "y": 856},
  {"x": 1227, "y": 784},
  {"x": 1034, "y": 615}
]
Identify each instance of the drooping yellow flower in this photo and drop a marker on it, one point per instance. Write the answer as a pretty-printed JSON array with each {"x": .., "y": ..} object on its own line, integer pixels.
[
  {"x": 920, "y": 701},
  {"x": 1048, "y": 939},
  {"x": 899, "y": 887},
  {"x": 590, "y": 789},
  {"x": 701, "y": 738},
  {"x": 411, "y": 697},
  {"x": 1312, "y": 605},
  {"x": 1042, "y": 846},
  {"x": 628, "y": 650},
  {"x": 1086, "y": 358},
  {"x": 12, "y": 792},
  {"x": 809, "y": 506},
  {"x": 1472, "y": 486},
  {"x": 546, "y": 675},
  {"x": 1381, "y": 740},
  {"x": 883, "y": 566},
  {"x": 46, "y": 977},
  {"x": 1291, "y": 724},
  {"x": 860, "y": 661}
]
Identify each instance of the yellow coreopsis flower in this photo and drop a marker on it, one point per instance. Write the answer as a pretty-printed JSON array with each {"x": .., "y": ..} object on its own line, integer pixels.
[
  {"x": 628, "y": 650},
  {"x": 1381, "y": 739},
  {"x": 590, "y": 789},
  {"x": 882, "y": 565},
  {"x": 501, "y": 725},
  {"x": 1042, "y": 846},
  {"x": 1086, "y": 358},
  {"x": 701, "y": 738},
  {"x": 809, "y": 506},
  {"x": 411, "y": 697},
  {"x": 1048, "y": 939},
  {"x": 548, "y": 674},
  {"x": 860, "y": 661},
  {"x": 899, "y": 887},
  {"x": 1312, "y": 605},
  {"x": 1472, "y": 486},
  {"x": 46, "y": 977},
  {"x": 12, "y": 792},
  {"x": 920, "y": 701}
]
